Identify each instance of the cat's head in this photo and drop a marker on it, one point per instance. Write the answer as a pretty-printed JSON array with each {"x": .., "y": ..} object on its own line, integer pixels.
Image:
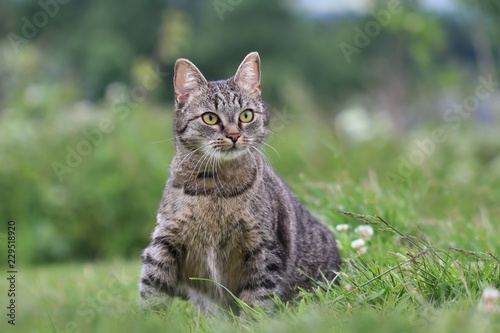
[{"x": 225, "y": 119}]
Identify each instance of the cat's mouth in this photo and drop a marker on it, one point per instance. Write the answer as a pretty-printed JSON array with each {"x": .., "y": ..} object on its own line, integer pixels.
[
  {"x": 231, "y": 152},
  {"x": 225, "y": 150}
]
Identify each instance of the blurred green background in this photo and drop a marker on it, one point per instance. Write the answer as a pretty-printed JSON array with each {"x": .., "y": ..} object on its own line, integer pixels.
[{"x": 356, "y": 90}]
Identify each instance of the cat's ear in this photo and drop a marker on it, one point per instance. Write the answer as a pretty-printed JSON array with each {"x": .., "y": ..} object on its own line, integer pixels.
[
  {"x": 247, "y": 76},
  {"x": 187, "y": 79}
]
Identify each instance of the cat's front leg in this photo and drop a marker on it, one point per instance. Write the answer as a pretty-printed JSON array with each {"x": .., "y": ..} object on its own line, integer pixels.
[
  {"x": 160, "y": 264},
  {"x": 267, "y": 277}
]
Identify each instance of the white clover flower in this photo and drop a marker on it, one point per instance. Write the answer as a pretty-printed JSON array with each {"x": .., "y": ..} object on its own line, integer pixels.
[
  {"x": 342, "y": 227},
  {"x": 364, "y": 231},
  {"x": 488, "y": 301},
  {"x": 356, "y": 123},
  {"x": 490, "y": 294},
  {"x": 357, "y": 244}
]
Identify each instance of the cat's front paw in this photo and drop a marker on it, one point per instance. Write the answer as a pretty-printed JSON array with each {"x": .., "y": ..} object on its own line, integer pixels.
[{"x": 253, "y": 299}]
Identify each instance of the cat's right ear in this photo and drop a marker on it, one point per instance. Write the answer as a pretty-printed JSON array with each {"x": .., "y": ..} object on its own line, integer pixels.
[{"x": 187, "y": 79}]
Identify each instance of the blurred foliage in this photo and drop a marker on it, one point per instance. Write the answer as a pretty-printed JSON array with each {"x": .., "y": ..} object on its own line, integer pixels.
[
  {"x": 333, "y": 120},
  {"x": 91, "y": 44}
]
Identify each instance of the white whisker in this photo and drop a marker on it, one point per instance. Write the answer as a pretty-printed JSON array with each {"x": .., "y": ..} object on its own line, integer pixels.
[
  {"x": 266, "y": 158},
  {"x": 268, "y": 145},
  {"x": 198, "y": 167},
  {"x": 161, "y": 141},
  {"x": 192, "y": 152},
  {"x": 274, "y": 133}
]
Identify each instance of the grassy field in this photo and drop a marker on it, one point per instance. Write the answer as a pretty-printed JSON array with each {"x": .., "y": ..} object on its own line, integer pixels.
[
  {"x": 418, "y": 289},
  {"x": 419, "y": 273},
  {"x": 433, "y": 252}
]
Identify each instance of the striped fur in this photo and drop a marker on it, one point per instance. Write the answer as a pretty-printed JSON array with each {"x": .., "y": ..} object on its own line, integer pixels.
[{"x": 225, "y": 215}]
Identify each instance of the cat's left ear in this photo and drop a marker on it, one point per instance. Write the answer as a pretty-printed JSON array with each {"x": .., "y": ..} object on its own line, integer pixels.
[{"x": 247, "y": 76}]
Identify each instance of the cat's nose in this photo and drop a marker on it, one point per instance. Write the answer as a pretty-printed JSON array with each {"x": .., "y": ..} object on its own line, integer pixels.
[{"x": 233, "y": 136}]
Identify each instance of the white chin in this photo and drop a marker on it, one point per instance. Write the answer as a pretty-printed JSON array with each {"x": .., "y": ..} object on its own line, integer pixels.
[{"x": 231, "y": 154}]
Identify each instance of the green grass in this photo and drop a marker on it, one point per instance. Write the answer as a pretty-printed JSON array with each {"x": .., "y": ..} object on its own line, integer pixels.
[
  {"x": 433, "y": 290},
  {"x": 416, "y": 276}
]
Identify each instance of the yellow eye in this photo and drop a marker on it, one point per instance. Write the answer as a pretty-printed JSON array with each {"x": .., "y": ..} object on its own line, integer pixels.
[
  {"x": 210, "y": 118},
  {"x": 246, "y": 116}
]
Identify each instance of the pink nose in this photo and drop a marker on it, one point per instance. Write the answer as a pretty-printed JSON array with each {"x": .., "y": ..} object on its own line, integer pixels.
[{"x": 233, "y": 136}]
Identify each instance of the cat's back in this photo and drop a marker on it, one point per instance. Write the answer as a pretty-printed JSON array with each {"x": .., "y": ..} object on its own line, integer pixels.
[{"x": 312, "y": 247}]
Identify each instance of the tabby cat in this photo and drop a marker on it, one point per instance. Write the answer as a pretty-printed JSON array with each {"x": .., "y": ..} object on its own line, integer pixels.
[{"x": 225, "y": 215}]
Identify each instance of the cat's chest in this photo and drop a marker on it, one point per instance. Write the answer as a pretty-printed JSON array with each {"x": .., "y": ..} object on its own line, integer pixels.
[
  {"x": 216, "y": 239},
  {"x": 215, "y": 235},
  {"x": 210, "y": 221}
]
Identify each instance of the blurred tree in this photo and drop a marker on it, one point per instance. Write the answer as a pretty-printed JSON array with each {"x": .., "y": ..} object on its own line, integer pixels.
[
  {"x": 94, "y": 41},
  {"x": 405, "y": 53},
  {"x": 91, "y": 43},
  {"x": 292, "y": 47},
  {"x": 174, "y": 34},
  {"x": 485, "y": 26}
]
